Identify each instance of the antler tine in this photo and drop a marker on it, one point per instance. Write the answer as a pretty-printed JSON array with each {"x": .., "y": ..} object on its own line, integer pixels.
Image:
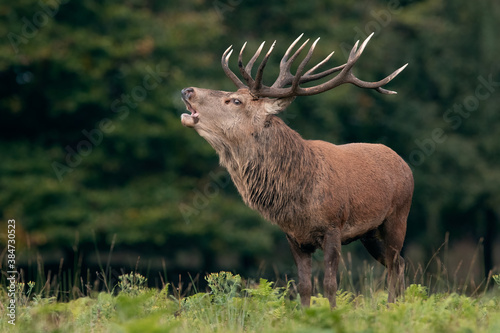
[
  {"x": 362, "y": 47},
  {"x": 321, "y": 63},
  {"x": 390, "y": 77},
  {"x": 302, "y": 65},
  {"x": 287, "y": 53},
  {"x": 227, "y": 70},
  {"x": 308, "y": 76},
  {"x": 240, "y": 65},
  {"x": 249, "y": 66},
  {"x": 313, "y": 77},
  {"x": 247, "y": 71},
  {"x": 356, "y": 53},
  {"x": 296, "y": 54},
  {"x": 258, "y": 77},
  {"x": 353, "y": 51},
  {"x": 285, "y": 77},
  {"x": 377, "y": 85}
]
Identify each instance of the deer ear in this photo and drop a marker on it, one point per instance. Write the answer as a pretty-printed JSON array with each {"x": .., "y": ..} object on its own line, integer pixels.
[{"x": 277, "y": 105}]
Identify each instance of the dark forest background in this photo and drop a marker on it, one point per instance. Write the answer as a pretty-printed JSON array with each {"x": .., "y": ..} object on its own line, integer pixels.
[{"x": 97, "y": 170}]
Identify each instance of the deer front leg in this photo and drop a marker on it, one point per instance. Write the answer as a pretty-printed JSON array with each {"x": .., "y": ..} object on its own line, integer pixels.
[
  {"x": 303, "y": 262},
  {"x": 331, "y": 251}
]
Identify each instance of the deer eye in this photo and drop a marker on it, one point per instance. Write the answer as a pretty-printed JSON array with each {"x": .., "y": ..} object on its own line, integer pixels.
[{"x": 235, "y": 101}]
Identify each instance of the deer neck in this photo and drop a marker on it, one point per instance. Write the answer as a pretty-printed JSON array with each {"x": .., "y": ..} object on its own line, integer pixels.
[{"x": 273, "y": 170}]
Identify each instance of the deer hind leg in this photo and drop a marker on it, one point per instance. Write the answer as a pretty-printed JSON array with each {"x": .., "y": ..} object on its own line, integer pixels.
[
  {"x": 395, "y": 273},
  {"x": 393, "y": 232},
  {"x": 385, "y": 244},
  {"x": 375, "y": 245}
]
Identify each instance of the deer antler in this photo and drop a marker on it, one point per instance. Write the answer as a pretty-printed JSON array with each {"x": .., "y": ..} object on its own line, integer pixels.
[{"x": 288, "y": 85}]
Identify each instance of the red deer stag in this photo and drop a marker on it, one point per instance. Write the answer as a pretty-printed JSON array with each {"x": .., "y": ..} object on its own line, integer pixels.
[{"x": 320, "y": 194}]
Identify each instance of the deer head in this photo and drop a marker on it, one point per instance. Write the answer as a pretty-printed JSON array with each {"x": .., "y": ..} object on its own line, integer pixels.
[{"x": 218, "y": 115}]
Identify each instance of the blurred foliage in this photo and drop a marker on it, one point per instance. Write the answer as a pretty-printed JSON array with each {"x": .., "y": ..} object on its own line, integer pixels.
[{"x": 93, "y": 150}]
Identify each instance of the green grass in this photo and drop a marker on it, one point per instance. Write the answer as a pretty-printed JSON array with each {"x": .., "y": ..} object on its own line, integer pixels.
[{"x": 233, "y": 305}]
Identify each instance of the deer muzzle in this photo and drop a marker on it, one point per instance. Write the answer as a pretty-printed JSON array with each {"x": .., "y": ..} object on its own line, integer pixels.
[{"x": 189, "y": 120}]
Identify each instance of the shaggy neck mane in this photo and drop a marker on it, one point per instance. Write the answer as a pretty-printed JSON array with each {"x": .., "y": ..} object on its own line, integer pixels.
[{"x": 269, "y": 170}]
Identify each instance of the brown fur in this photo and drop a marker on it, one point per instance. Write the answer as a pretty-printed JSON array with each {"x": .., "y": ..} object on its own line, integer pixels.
[{"x": 320, "y": 194}]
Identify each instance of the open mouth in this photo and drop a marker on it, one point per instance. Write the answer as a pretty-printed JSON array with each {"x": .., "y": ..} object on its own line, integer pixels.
[{"x": 189, "y": 120}]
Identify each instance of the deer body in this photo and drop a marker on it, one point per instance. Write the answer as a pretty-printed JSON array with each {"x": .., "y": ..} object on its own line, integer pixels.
[{"x": 320, "y": 194}]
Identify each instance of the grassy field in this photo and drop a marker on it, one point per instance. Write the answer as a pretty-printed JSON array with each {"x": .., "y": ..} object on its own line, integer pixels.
[{"x": 233, "y": 305}]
